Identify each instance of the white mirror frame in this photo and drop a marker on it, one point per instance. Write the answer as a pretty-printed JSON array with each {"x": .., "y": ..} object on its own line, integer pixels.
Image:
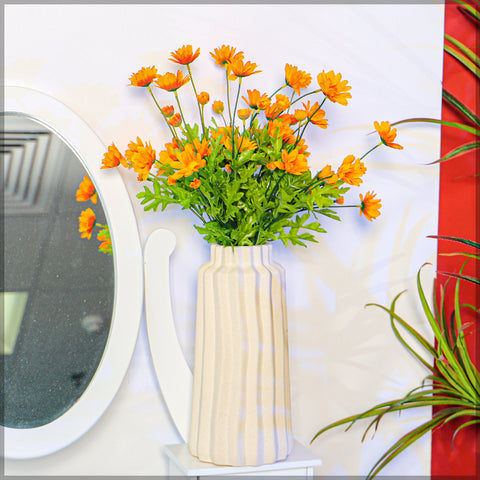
[{"x": 128, "y": 300}]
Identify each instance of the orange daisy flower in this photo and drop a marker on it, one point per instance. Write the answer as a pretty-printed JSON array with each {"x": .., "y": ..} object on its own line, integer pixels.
[
  {"x": 328, "y": 175},
  {"x": 387, "y": 134},
  {"x": 256, "y": 100},
  {"x": 241, "y": 69},
  {"x": 370, "y": 206},
  {"x": 172, "y": 82},
  {"x": 282, "y": 101},
  {"x": 273, "y": 111},
  {"x": 144, "y": 77},
  {"x": 297, "y": 79},
  {"x": 242, "y": 144},
  {"x": 282, "y": 129},
  {"x": 184, "y": 55},
  {"x": 293, "y": 162},
  {"x": 225, "y": 54},
  {"x": 315, "y": 114},
  {"x": 141, "y": 157},
  {"x": 334, "y": 87},
  {"x": 195, "y": 183},
  {"x": 351, "y": 170},
  {"x": 113, "y": 158},
  {"x": 86, "y": 223},
  {"x": 86, "y": 191},
  {"x": 203, "y": 148}
]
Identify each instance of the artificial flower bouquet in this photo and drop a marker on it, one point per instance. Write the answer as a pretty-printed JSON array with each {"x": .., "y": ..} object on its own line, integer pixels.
[{"x": 245, "y": 175}]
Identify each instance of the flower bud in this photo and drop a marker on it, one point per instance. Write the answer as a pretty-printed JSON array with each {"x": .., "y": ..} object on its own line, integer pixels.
[
  {"x": 168, "y": 111},
  {"x": 244, "y": 113},
  {"x": 217, "y": 106},
  {"x": 175, "y": 120},
  {"x": 203, "y": 98}
]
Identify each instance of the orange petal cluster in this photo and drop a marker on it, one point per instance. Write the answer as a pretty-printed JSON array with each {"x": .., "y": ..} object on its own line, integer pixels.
[
  {"x": 184, "y": 55},
  {"x": 387, "y": 134},
  {"x": 140, "y": 157},
  {"x": 171, "y": 81},
  {"x": 297, "y": 79},
  {"x": 144, "y": 77},
  {"x": 239, "y": 68},
  {"x": 334, "y": 87},
  {"x": 113, "y": 158},
  {"x": 370, "y": 206},
  {"x": 225, "y": 54},
  {"x": 281, "y": 129},
  {"x": 328, "y": 175},
  {"x": 292, "y": 162},
  {"x": 256, "y": 100},
  {"x": 351, "y": 170},
  {"x": 86, "y": 223},
  {"x": 315, "y": 114},
  {"x": 203, "y": 98},
  {"x": 86, "y": 191}
]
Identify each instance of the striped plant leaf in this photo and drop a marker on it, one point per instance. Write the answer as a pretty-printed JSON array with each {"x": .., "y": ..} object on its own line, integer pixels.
[
  {"x": 460, "y": 126},
  {"x": 462, "y": 108},
  {"x": 463, "y": 59},
  {"x": 464, "y": 49},
  {"x": 457, "y": 152},
  {"x": 464, "y": 241}
]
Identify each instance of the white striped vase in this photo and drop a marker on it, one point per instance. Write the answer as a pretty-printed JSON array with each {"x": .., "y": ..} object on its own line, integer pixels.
[{"x": 241, "y": 390}]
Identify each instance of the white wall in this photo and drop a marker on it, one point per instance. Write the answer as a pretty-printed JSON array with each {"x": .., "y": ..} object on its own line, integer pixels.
[{"x": 344, "y": 358}]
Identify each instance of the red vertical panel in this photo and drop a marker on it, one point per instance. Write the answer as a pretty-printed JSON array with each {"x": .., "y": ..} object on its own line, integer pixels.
[{"x": 458, "y": 212}]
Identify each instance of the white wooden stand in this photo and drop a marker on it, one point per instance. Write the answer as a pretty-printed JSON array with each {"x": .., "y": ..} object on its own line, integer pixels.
[{"x": 299, "y": 463}]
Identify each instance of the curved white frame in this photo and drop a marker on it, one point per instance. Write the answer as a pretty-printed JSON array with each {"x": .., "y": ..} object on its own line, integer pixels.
[
  {"x": 173, "y": 373},
  {"x": 128, "y": 301}
]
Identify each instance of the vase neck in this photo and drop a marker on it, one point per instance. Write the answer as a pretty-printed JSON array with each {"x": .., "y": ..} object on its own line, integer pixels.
[{"x": 233, "y": 256}]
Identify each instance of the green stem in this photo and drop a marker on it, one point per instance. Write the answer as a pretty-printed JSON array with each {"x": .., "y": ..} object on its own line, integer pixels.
[
  {"x": 196, "y": 97},
  {"x": 228, "y": 96},
  {"x": 161, "y": 111},
  {"x": 371, "y": 150}
]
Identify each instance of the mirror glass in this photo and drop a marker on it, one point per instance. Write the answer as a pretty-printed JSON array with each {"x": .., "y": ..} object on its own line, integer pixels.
[{"x": 58, "y": 287}]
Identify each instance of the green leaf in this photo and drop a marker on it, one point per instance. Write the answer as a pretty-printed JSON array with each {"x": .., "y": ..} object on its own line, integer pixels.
[
  {"x": 461, "y": 107},
  {"x": 470, "y": 243},
  {"x": 464, "y": 49},
  {"x": 464, "y": 60},
  {"x": 456, "y": 152},
  {"x": 460, "y": 126}
]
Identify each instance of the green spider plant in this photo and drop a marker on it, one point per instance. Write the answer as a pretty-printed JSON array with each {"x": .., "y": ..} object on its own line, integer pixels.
[{"x": 453, "y": 382}]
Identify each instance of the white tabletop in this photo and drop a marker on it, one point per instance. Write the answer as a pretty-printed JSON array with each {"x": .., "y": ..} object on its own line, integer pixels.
[{"x": 301, "y": 457}]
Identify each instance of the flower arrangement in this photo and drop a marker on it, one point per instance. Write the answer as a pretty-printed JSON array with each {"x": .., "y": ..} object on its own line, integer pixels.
[
  {"x": 245, "y": 176},
  {"x": 88, "y": 221}
]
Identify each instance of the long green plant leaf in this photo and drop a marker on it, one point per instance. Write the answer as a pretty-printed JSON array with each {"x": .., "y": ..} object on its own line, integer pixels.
[
  {"x": 406, "y": 441},
  {"x": 464, "y": 49},
  {"x": 461, "y": 107},
  {"x": 457, "y": 152},
  {"x": 463, "y": 59},
  {"x": 460, "y": 126},
  {"x": 468, "y": 278},
  {"x": 470, "y": 243}
]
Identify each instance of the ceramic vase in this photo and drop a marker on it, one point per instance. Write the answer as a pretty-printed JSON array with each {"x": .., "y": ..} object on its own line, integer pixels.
[{"x": 241, "y": 411}]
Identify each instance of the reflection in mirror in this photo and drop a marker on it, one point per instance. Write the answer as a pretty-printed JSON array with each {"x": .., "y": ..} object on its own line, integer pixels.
[{"x": 58, "y": 288}]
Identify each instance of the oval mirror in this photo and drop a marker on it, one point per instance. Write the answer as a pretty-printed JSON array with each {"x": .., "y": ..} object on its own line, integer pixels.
[{"x": 72, "y": 312}]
